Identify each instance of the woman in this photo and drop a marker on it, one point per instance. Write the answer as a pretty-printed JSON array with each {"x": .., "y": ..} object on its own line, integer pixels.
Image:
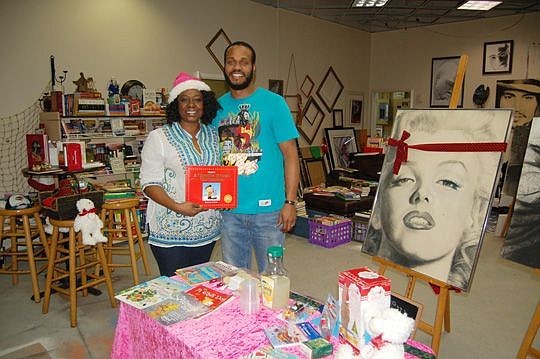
[
  {"x": 181, "y": 233},
  {"x": 429, "y": 216}
]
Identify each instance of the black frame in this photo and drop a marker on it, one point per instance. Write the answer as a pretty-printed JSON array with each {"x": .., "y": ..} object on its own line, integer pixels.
[{"x": 489, "y": 49}]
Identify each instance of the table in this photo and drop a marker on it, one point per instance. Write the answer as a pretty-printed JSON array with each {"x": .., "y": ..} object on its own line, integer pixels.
[{"x": 224, "y": 333}]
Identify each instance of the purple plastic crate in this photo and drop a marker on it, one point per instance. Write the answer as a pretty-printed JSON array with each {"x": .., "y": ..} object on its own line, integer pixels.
[{"x": 329, "y": 236}]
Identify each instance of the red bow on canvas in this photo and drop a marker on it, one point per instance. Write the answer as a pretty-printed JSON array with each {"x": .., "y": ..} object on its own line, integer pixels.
[{"x": 402, "y": 148}]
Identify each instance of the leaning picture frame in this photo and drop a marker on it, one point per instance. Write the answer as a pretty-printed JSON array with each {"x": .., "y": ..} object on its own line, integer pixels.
[
  {"x": 497, "y": 57},
  {"x": 330, "y": 89},
  {"x": 316, "y": 171},
  {"x": 443, "y": 76},
  {"x": 341, "y": 142}
]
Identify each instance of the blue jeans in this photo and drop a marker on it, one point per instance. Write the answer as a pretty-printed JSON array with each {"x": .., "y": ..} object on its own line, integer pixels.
[{"x": 241, "y": 232}]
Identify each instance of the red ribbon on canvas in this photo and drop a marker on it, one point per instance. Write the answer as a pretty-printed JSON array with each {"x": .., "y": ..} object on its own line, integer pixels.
[{"x": 402, "y": 148}]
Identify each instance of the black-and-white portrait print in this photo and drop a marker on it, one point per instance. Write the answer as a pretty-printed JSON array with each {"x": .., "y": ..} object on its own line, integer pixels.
[
  {"x": 429, "y": 216},
  {"x": 522, "y": 243}
]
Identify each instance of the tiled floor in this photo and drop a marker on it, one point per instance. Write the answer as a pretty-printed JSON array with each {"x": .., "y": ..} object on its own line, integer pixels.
[{"x": 488, "y": 322}]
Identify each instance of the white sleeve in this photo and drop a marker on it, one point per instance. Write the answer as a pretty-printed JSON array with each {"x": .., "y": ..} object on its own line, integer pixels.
[{"x": 152, "y": 160}]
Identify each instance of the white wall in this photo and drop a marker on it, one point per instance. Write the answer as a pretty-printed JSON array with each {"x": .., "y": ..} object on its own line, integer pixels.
[
  {"x": 153, "y": 40},
  {"x": 402, "y": 59}
]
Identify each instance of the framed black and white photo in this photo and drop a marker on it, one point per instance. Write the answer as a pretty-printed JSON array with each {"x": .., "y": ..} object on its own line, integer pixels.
[
  {"x": 437, "y": 183},
  {"x": 355, "y": 107},
  {"x": 341, "y": 143},
  {"x": 443, "y": 76},
  {"x": 276, "y": 86},
  {"x": 337, "y": 116},
  {"x": 216, "y": 47},
  {"x": 312, "y": 118},
  {"x": 498, "y": 57},
  {"x": 330, "y": 89}
]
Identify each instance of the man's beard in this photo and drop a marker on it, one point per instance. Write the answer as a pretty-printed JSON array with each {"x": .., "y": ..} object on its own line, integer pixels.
[{"x": 241, "y": 86}]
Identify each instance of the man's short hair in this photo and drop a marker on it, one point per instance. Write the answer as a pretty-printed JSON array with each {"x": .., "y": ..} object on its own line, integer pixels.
[{"x": 244, "y": 44}]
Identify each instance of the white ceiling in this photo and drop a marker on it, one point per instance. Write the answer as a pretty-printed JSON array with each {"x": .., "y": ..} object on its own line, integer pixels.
[{"x": 398, "y": 14}]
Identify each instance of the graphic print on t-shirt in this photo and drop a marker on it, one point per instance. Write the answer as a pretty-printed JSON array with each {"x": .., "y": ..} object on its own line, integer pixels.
[{"x": 238, "y": 140}]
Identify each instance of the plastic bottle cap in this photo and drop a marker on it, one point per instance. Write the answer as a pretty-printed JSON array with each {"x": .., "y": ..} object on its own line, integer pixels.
[{"x": 275, "y": 251}]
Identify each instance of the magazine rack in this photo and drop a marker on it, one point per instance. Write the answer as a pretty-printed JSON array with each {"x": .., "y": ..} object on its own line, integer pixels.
[{"x": 442, "y": 313}]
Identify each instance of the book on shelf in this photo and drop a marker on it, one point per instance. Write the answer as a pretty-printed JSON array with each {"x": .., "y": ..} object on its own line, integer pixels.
[
  {"x": 210, "y": 297},
  {"x": 212, "y": 186},
  {"x": 180, "y": 307},
  {"x": 284, "y": 335},
  {"x": 152, "y": 292}
]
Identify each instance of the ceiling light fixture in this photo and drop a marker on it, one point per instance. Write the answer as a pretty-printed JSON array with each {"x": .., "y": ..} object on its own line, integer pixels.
[
  {"x": 479, "y": 5},
  {"x": 369, "y": 3}
]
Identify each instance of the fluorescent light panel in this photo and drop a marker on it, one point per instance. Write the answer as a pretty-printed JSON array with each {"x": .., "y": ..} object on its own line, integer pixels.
[
  {"x": 479, "y": 5},
  {"x": 369, "y": 3}
]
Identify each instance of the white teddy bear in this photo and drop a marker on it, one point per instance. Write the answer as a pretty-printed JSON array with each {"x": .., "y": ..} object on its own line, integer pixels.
[
  {"x": 88, "y": 222},
  {"x": 388, "y": 328}
]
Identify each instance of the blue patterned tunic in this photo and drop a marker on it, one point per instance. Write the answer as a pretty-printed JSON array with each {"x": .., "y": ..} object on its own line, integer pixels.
[{"x": 166, "y": 153}]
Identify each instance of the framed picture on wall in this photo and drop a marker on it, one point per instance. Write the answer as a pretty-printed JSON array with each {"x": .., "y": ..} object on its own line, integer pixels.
[
  {"x": 498, "y": 57},
  {"x": 216, "y": 47},
  {"x": 276, "y": 86},
  {"x": 330, "y": 89},
  {"x": 307, "y": 86},
  {"x": 341, "y": 143},
  {"x": 312, "y": 118},
  {"x": 337, "y": 116},
  {"x": 355, "y": 106},
  {"x": 443, "y": 76}
]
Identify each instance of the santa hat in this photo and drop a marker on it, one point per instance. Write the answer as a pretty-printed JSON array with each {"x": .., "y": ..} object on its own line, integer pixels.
[{"x": 185, "y": 82}]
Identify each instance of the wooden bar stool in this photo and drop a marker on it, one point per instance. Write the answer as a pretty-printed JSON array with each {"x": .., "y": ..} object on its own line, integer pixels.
[
  {"x": 79, "y": 258},
  {"x": 23, "y": 235},
  {"x": 119, "y": 223}
]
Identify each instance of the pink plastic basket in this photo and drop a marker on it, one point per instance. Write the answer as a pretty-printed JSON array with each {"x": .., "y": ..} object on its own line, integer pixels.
[{"x": 329, "y": 236}]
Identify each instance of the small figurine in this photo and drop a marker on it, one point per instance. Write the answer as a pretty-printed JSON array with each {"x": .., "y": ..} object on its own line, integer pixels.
[{"x": 84, "y": 84}]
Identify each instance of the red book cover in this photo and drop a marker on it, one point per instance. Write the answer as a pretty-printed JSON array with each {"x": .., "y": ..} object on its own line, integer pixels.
[
  {"x": 37, "y": 149},
  {"x": 212, "y": 186},
  {"x": 208, "y": 296},
  {"x": 73, "y": 156}
]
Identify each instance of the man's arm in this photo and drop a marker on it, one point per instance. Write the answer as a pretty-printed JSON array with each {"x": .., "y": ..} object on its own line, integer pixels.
[{"x": 287, "y": 216}]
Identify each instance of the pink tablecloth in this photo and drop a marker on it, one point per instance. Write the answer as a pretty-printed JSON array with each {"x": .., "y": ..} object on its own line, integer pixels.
[{"x": 222, "y": 334}]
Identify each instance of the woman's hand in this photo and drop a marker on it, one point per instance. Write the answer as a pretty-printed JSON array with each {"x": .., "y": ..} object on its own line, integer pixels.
[{"x": 189, "y": 209}]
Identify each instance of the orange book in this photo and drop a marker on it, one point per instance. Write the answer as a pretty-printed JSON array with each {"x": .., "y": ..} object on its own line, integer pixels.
[
  {"x": 208, "y": 296},
  {"x": 212, "y": 186}
]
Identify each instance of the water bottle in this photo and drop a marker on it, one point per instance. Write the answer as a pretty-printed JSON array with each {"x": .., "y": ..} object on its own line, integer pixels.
[{"x": 274, "y": 280}]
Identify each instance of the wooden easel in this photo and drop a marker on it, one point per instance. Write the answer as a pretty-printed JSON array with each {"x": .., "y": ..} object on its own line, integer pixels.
[
  {"x": 526, "y": 347},
  {"x": 442, "y": 314}
]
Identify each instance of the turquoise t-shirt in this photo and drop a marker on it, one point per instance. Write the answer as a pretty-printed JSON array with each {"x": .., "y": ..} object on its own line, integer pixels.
[{"x": 250, "y": 130}]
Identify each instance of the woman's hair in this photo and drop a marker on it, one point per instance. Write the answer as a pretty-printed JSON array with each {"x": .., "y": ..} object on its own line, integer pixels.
[
  {"x": 477, "y": 129},
  {"x": 210, "y": 109}
]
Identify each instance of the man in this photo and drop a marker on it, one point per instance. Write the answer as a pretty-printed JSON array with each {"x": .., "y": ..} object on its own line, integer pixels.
[
  {"x": 257, "y": 134},
  {"x": 524, "y": 97}
]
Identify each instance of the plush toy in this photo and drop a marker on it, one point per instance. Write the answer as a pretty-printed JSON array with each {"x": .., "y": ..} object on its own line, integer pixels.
[
  {"x": 389, "y": 329},
  {"x": 88, "y": 222}
]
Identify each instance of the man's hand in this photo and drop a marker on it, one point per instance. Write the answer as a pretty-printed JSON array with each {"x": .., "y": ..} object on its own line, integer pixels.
[{"x": 287, "y": 217}]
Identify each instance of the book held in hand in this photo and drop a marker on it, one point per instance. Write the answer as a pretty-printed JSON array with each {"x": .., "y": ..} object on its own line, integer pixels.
[{"x": 212, "y": 186}]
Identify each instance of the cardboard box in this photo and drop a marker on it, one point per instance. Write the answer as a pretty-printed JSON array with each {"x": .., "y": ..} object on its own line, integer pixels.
[{"x": 360, "y": 290}]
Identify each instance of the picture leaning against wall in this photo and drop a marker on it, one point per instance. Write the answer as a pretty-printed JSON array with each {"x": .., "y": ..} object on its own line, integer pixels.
[
  {"x": 522, "y": 243},
  {"x": 436, "y": 189}
]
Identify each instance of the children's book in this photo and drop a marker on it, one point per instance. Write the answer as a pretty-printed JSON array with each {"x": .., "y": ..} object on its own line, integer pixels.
[
  {"x": 212, "y": 186},
  {"x": 152, "y": 292},
  {"x": 177, "y": 309},
  {"x": 267, "y": 352},
  {"x": 141, "y": 296},
  {"x": 199, "y": 273},
  {"x": 284, "y": 335},
  {"x": 208, "y": 296},
  {"x": 37, "y": 150}
]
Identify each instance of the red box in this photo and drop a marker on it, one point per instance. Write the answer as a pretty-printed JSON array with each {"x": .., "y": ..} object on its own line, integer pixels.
[
  {"x": 360, "y": 290},
  {"x": 73, "y": 156}
]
